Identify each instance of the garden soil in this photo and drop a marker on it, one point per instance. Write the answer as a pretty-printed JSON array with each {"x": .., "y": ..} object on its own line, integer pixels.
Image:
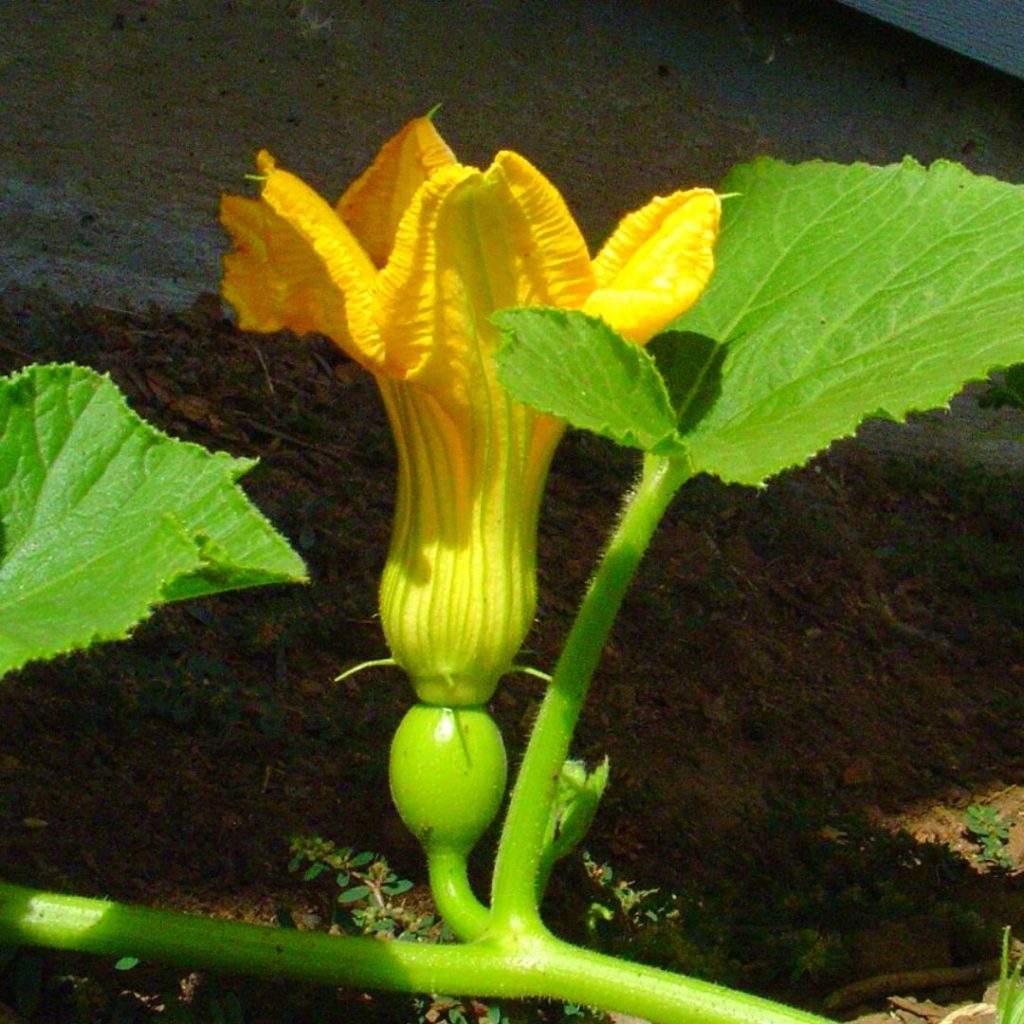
[
  {"x": 806, "y": 690},
  {"x": 812, "y": 688}
]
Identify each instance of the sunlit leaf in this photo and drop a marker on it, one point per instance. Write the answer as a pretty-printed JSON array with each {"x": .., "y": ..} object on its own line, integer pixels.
[
  {"x": 102, "y": 517},
  {"x": 846, "y": 291}
]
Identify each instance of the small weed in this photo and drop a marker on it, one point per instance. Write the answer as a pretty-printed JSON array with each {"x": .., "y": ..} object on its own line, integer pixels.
[
  {"x": 819, "y": 880},
  {"x": 631, "y": 908},
  {"x": 990, "y": 832},
  {"x": 628, "y": 921},
  {"x": 370, "y": 898},
  {"x": 444, "y": 1010},
  {"x": 374, "y": 900}
]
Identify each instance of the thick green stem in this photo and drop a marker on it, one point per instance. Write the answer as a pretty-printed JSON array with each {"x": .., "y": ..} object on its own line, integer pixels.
[
  {"x": 454, "y": 897},
  {"x": 503, "y": 967},
  {"x": 514, "y": 888}
]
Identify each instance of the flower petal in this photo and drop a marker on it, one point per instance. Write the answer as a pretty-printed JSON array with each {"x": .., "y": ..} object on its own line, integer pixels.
[
  {"x": 373, "y": 204},
  {"x": 469, "y": 244},
  {"x": 656, "y": 263},
  {"x": 553, "y": 263},
  {"x": 296, "y": 265},
  {"x": 411, "y": 291},
  {"x": 273, "y": 279},
  {"x": 458, "y": 591}
]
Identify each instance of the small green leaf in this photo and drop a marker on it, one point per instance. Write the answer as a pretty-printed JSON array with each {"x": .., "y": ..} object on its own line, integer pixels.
[
  {"x": 102, "y": 517},
  {"x": 397, "y": 888},
  {"x": 361, "y": 859},
  {"x": 576, "y": 367},
  {"x": 353, "y": 895},
  {"x": 126, "y": 963},
  {"x": 576, "y": 801}
]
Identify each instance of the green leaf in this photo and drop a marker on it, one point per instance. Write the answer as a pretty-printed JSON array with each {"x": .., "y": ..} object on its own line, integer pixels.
[
  {"x": 102, "y": 517},
  {"x": 353, "y": 895},
  {"x": 577, "y": 368},
  {"x": 846, "y": 291},
  {"x": 576, "y": 801},
  {"x": 691, "y": 366}
]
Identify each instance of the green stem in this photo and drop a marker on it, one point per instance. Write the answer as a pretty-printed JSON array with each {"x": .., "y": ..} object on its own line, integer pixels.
[
  {"x": 503, "y": 967},
  {"x": 454, "y": 897},
  {"x": 517, "y": 865}
]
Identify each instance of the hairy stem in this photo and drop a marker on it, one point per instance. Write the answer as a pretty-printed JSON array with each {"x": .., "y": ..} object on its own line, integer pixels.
[{"x": 517, "y": 865}]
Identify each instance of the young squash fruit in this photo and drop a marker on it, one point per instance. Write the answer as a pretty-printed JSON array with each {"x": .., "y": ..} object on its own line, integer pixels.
[{"x": 448, "y": 771}]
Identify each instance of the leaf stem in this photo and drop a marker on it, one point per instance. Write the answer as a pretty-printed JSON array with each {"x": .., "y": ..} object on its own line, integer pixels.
[{"x": 517, "y": 864}]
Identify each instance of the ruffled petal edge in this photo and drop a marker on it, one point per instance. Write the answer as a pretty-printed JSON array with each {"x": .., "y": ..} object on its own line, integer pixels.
[
  {"x": 320, "y": 263},
  {"x": 373, "y": 205},
  {"x": 656, "y": 263}
]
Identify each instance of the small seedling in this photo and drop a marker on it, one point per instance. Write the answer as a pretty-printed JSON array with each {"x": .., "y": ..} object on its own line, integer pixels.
[
  {"x": 369, "y": 901},
  {"x": 990, "y": 832}
]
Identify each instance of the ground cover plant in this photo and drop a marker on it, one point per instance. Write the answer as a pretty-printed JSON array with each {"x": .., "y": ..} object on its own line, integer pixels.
[{"x": 836, "y": 295}]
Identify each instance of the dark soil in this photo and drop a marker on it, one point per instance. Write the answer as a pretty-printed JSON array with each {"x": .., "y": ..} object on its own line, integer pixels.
[{"x": 805, "y": 691}]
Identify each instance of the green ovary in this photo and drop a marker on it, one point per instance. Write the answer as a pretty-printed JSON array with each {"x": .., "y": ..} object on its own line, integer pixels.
[{"x": 448, "y": 773}]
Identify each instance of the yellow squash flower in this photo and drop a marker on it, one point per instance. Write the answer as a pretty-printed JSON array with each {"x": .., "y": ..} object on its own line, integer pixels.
[{"x": 403, "y": 274}]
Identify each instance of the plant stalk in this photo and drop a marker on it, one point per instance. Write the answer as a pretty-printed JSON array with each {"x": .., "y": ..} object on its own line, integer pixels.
[
  {"x": 537, "y": 965},
  {"x": 517, "y": 864}
]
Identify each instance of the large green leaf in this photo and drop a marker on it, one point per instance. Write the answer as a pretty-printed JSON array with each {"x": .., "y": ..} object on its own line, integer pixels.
[
  {"x": 691, "y": 366},
  {"x": 847, "y": 291},
  {"x": 102, "y": 517}
]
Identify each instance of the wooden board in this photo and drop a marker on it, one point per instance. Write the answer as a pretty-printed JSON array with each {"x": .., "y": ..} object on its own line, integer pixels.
[{"x": 987, "y": 30}]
